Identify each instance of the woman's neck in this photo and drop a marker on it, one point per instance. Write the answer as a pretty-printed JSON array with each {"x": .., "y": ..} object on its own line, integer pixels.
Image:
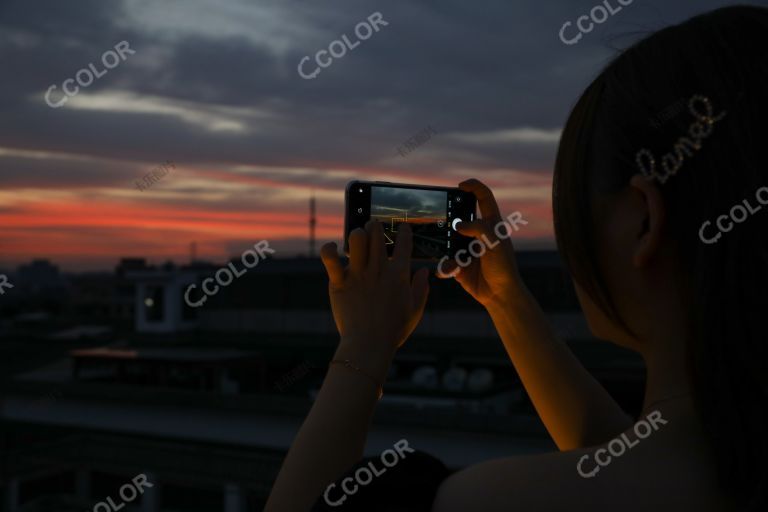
[{"x": 667, "y": 379}]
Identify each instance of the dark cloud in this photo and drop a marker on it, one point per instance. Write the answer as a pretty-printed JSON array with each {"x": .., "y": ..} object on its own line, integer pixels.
[
  {"x": 442, "y": 63},
  {"x": 385, "y": 201},
  {"x": 214, "y": 87}
]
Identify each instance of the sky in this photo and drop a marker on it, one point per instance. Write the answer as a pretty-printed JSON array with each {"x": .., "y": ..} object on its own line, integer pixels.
[{"x": 213, "y": 86}]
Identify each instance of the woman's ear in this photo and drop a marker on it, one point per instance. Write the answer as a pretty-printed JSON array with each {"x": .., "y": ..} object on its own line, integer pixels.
[{"x": 649, "y": 235}]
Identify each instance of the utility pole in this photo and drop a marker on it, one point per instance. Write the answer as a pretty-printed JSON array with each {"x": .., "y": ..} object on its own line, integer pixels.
[{"x": 312, "y": 224}]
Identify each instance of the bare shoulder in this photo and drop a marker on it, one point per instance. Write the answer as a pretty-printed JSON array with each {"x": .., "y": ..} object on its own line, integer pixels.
[{"x": 663, "y": 471}]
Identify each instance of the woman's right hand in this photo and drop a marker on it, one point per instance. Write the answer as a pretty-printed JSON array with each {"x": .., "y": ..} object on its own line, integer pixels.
[{"x": 493, "y": 278}]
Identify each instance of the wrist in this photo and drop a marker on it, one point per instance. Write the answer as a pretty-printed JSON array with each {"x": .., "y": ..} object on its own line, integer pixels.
[
  {"x": 513, "y": 299},
  {"x": 351, "y": 366},
  {"x": 372, "y": 357}
]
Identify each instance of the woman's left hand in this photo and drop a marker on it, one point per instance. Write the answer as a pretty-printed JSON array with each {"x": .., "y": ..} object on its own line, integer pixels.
[
  {"x": 375, "y": 303},
  {"x": 376, "y": 306}
]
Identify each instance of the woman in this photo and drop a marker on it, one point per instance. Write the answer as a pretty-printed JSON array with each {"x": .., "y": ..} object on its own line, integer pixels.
[{"x": 661, "y": 220}]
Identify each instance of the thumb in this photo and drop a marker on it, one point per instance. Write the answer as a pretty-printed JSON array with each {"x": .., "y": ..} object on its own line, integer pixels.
[{"x": 476, "y": 229}]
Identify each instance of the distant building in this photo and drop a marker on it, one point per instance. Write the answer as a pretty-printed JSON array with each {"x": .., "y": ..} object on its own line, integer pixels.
[
  {"x": 204, "y": 401},
  {"x": 290, "y": 296},
  {"x": 39, "y": 275},
  {"x": 159, "y": 300}
]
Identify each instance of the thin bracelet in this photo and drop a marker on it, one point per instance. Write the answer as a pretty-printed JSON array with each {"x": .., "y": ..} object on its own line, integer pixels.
[{"x": 348, "y": 364}]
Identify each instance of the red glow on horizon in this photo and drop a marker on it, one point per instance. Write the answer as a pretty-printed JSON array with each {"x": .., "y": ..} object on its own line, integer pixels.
[{"x": 83, "y": 230}]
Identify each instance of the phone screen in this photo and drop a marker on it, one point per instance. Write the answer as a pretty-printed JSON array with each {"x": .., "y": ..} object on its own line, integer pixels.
[{"x": 432, "y": 212}]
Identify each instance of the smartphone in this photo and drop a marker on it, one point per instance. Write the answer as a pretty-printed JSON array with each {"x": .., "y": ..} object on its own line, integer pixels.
[{"x": 432, "y": 212}]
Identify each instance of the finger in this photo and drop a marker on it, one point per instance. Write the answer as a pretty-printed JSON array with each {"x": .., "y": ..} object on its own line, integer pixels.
[
  {"x": 468, "y": 276},
  {"x": 401, "y": 256},
  {"x": 420, "y": 289},
  {"x": 358, "y": 251},
  {"x": 377, "y": 251},
  {"x": 489, "y": 209},
  {"x": 447, "y": 269},
  {"x": 476, "y": 229},
  {"x": 329, "y": 255}
]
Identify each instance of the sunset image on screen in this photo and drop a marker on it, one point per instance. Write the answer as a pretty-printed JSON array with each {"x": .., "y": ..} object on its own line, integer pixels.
[{"x": 425, "y": 210}]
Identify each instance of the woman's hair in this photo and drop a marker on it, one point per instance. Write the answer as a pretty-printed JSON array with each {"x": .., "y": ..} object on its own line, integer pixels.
[{"x": 641, "y": 101}]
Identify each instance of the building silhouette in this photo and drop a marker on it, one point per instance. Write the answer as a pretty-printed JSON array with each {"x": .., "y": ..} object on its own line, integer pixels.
[{"x": 205, "y": 401}]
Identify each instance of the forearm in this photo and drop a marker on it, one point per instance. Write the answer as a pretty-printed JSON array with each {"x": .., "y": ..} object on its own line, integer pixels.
[
  {"x": 332, "y": 438},
  {"x": 574, "y": 407}
]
